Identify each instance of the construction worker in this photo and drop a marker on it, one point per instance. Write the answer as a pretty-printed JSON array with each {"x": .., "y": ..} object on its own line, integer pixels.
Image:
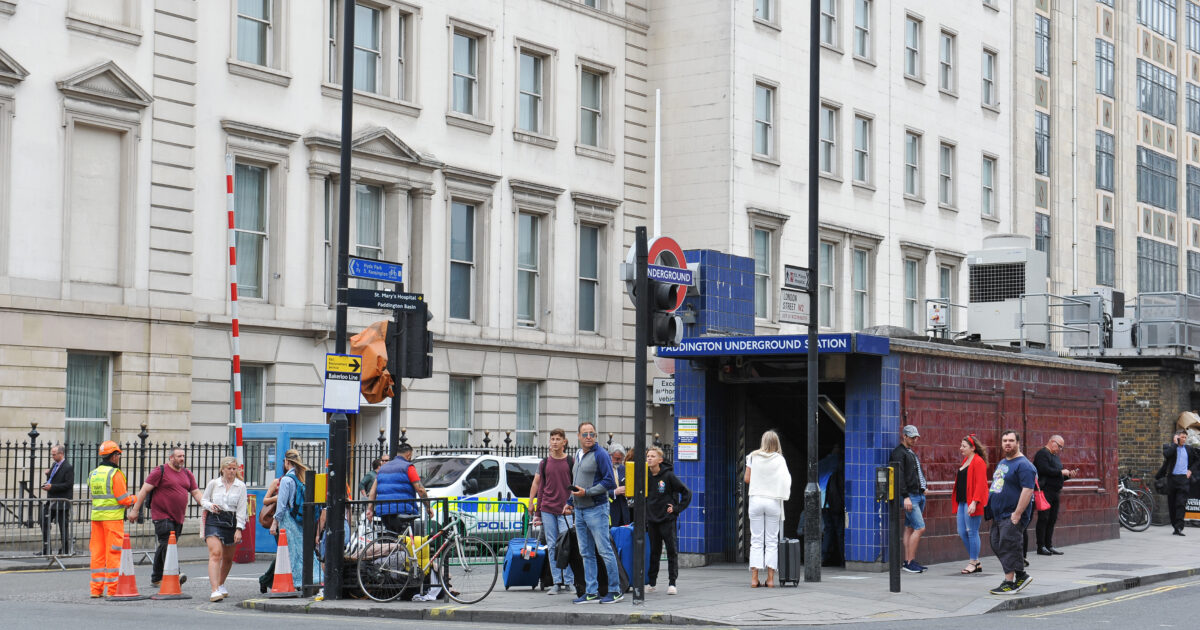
[{"x": 110, "y": 497}]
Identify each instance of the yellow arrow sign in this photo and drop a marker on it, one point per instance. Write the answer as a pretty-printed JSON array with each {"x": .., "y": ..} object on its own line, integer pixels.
[{"x": 343, "y": 363}]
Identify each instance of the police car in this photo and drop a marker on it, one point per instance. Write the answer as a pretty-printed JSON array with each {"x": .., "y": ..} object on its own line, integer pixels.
[{"x": 492, "y": 488}]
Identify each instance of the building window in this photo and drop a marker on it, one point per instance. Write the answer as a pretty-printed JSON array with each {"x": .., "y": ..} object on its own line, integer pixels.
[
  {"x": 912, "y": 294},
  {"x": 946, "y": 79},
  {"x": 253, "y": 394},
  {"x": 1041, "y": 143},
  {"x": 1156, "y": 91},
  {"x": 1105, "y": 67},
  {"x": 1193, "y": 106},
  {"x": 1158, "y": 16},
  {"x": 1156, "y": 180},
  {"x": 827, "y": 161},
  {"x": 528, "y": 268},
  {"x": 589, "y": 278},
  {"x": 946, "y": 175},
  {"x": 764, "y": 120},
  {"x": 465, "y": 74},
  {"x": 912, "y": 47},
  {"x": 1106, "y": 257},
  {"x": 987, "y": 178},
  {"x": 382, "y": 48},
  {"x": 829, "y": 22},
  {"x": 368, "y": 228},
  {"x": 861, "y": 283},
  {"x": 825, "y": 285},
  {"x": 1105, "y": 160},
  {"x": 989, "y": 78},
  {"x": 250, "y": 229},
  {"x": 862, "y": 149},
  {"x": 1193, "y": 273},
  {"x": 1041, "y": 232},
  {"x": 461, "y": 412},
  {"x": 1157, "y": 266},
  {"x": 88, "y": 400},
  {"x": 1193, "y": 27},
  {"x": 762, "y": 273},
  {"x": 862, "y": 28},
  {"x": 912, "y": 164},
  {"x": 527, "y": 413},
  {"x": 591, "y": 108},
  {"x": 254, "y": 31},
  {"x": 1193, "y": 194},
  {"x": 764, "y": 10},
  {"x": 462, "y": 260},
  {"x": 530, "y": 100},
  {"x": 946, "y": 287},
  {"x": 589, "y": 403},
  {"x": 1041, "y": 45},
  {"x": 330, "y": 213},
  {"x": 368, "y": 48}
]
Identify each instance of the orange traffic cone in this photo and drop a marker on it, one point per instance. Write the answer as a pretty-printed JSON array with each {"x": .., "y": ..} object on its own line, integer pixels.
[
  {"x": 283, "y": 586},
  {"x": 126, "y": 580},
  {"x": 170, "y": 579}
]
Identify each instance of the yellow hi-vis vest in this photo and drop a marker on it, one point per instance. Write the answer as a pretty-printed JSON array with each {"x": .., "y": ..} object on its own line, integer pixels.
[{"x": 105, "y": 506}]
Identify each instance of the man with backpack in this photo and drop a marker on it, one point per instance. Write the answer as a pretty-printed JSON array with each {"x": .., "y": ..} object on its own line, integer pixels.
[
  {"x": 166, "y": 489},
  {"x": 548, "y": 501}
]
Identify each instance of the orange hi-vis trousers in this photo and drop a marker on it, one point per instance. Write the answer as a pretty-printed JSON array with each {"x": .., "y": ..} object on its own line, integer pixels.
[{"x": 107, "y": 539}]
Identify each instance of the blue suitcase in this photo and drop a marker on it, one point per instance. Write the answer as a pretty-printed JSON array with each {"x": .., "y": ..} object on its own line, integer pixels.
[
  {"x": 523, "y": 563},
  {"x": 623, "y": 540}
]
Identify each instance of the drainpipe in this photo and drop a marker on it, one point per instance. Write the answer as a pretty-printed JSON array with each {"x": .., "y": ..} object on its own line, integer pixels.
[{"x": 1074, "y": 147}]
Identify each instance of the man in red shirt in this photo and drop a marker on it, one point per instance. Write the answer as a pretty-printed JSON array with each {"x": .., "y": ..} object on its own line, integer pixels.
[{"x": 171, "y": 484}]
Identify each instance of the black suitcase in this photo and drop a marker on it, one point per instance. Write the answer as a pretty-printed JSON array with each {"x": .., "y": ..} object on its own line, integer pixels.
[
  {"x": 601, "y": 571},
  {"x": 791, "y": 562}
]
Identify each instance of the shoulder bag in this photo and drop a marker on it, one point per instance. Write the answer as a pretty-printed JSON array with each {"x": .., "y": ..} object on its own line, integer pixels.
[{"x": 1039, "y": 498}]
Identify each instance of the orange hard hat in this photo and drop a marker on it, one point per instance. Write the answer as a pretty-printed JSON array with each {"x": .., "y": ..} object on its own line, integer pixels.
[{"x": 109, "y": 447}]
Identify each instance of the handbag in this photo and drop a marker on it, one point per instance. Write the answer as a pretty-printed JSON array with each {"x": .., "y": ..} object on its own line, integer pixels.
[
  {"x": 565, "y": 546},
  {"x": 1039, "y": 498},
  {"x": 266, "y": 516}
]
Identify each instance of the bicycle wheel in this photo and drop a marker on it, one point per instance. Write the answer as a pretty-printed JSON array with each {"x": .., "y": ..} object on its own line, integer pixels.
[
  {"x": 469, "y": 569},
  {"x": 384, "y": 568},
  {"x": 1133, "y": 514}
]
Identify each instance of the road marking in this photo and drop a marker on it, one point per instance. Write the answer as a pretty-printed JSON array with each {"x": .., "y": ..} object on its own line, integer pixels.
[{"x": 1112, "y": 600}]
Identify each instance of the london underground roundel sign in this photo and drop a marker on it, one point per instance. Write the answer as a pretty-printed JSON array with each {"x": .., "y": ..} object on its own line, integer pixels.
[{"x": 665, "y": 252}]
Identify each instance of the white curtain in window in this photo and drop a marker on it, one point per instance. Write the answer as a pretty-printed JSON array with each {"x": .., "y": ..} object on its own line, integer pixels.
[
  {"x": 252, "y": 394},
  {"x": 250, "y": 222},
  {"x": 526, "y": 413},
  {"x": 589, "y": 278},
  {"x": 589, "y": 396},
  {"x": 254, "y": 20},
  {"x": 460, "y": 412},
  {"x": 87, "y": 386}
]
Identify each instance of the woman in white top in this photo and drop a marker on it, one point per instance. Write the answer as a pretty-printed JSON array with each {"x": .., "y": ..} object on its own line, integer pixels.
[
  {"x": 770, "y": 486},
  {"x": 225, "y": 516}
]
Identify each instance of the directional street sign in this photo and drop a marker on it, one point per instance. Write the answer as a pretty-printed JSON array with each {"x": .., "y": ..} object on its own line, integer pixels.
[
  {"x": 376, "y": 269},
  {"x": 670, "y": 275},
  {"x": 388, "y": 300},
  {"x": 796, "y": 278},
  {"x": 343, "y": 373},
  {"x": 793, "y": 307}
]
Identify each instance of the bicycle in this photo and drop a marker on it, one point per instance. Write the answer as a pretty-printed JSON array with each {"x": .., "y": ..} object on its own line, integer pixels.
[
  {"x": 1138, "y": 485},
  {"x": 465, "y": 566},
  {"x": 1132, "y": 513}
]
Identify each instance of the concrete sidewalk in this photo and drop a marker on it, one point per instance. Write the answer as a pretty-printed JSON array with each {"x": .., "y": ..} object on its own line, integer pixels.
[{"x": 720, "y": 595}]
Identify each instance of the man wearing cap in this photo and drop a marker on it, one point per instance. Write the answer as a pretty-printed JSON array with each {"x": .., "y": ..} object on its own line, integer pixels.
[
  {"x": 910, "y": 484},
  {"x": 110, "y": 497}
]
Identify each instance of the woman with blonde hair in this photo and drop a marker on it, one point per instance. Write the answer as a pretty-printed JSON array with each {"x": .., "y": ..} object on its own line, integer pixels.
[
  {"x": 225, "y": 515},
  {"x": 770, "y": 485},
  {"x": 288, "y": 515}
]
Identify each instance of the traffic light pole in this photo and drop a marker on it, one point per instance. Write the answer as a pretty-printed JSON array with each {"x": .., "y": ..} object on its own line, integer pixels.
[
  {"x": 812, "y": 492},
  {"x": 642, "y": 308},
  {"x": 398, "y": 360}
]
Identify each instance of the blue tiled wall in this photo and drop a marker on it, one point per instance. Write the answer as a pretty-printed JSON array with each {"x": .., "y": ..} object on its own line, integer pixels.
[
  {"x": 872, "y": 431},
  {"x": 725, "y": 306}
]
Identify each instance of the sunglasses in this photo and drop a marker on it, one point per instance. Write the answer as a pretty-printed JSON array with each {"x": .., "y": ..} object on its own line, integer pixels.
[{"x": 588, "y": 434}]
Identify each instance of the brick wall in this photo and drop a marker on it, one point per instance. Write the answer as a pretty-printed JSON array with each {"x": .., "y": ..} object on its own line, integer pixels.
[{"x": 1150, "y": 398}]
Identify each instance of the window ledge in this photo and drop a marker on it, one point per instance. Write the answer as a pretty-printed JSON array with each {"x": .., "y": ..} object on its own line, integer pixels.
[
  {"x": 991, "y": 107},
  {"x": 595, "y": 152},
  {"x": 768, "y": 24},
  {"x": 537, "y": 139},
  {"x": 990, "y": 219},
  {"x": 455, "y": 119},
  {"x": 257, "y": 72},
  {"x": 333, "y": 90},
  {"x": 915, "y": 79},
  {"x": 765, "y": 159},
  {"x": 767, "y": 324},
  {"x": 866, "y": 60},
  {"x": 832, "y": 177},
  {"x": 946, "y": 206},
  {"x": 833, "y": 48},
  {"x": 950, "y": 93},
  {"x": 991, "y": 5},
  {"x": 863, "y": 185},
  {"x": 914, "y": 198},
  {"x": 8, "y": 7},
  {"x": 123, "y": 34}
]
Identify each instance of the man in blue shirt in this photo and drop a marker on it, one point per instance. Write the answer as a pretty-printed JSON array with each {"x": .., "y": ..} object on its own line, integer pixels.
[
  {"x": 1181, "y": 463},
  {"x": 589, "y": 501},
  {"x": 1009, "y": 500}
]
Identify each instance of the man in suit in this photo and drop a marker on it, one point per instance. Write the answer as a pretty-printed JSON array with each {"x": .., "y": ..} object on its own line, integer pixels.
[
  {"x": 59, "y": 488},
  {"x": 1180, "y": 464}
]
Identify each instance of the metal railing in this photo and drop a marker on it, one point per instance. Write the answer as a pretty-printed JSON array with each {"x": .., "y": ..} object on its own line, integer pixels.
[
  {"x": 1168, "y": 320},
  {"x": 23, "y": 536},
  {"x": 1093, "y": 337}
]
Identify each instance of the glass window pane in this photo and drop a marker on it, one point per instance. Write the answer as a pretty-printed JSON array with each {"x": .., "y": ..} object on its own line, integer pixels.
[
  {"x": 587, "y": 305},
  {"x": 252, "y": 41},
  {"x": 369, "y": 208},
  {"x": 526, "y": 296},
  {"x": 249, "y": 264},
  {"x": 762, "y": 251},
  {"x": 462, "y": 232},
  {"x": 87, "y": 386},
  {"x": 761, "y": 289},
  {"x": 527, "y": 393},
  {"x": 762, "y": 103},
  {"x": 589, "y": 239},
  {"x": 589, "y": 399},
  {"x": 366, "y": 27},
  {"x": 527, "y": 241},
  {"x": 250, "y": 198},
  {"x": 464, "y": 54},
  {"x": 260, "y": 9},
  {"x": 366, "y": 67},
  {"x": 590, "y": 90},
  {"x": 531, "y": 74},
  {"x": 589, "y": 125},
  {"x": 460, "y": 290}
]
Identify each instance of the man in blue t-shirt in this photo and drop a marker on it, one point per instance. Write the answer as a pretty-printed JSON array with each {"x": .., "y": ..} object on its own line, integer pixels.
[{"x": 1009, "y": 500}]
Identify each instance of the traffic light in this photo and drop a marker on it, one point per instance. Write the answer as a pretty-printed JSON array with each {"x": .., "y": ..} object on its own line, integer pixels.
[
  {"x": 663, "y": 327},
  {"x": 418, "y": 347}
]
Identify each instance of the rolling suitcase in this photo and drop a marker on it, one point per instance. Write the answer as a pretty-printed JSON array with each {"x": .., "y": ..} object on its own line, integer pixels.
[
  {"x": 523, "y": 563},
  {"x": 623, "y": 544},
  {"x": 791, "y": 565}
]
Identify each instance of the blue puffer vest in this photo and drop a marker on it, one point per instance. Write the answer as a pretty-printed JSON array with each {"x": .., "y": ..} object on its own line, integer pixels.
[{"x": 392, "y": 483}]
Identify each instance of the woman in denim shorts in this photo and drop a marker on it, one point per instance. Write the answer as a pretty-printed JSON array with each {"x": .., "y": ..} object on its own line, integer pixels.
[{"x": 225, "y": 515}]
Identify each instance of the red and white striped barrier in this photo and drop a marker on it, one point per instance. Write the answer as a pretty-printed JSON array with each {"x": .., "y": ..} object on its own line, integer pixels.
[{"x": 233, "y": 311}]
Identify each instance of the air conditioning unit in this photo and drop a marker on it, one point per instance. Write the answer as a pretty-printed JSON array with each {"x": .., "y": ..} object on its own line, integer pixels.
[
  {"x": 1114, "y": 301},
  {"x": 1006, "y": 269}
]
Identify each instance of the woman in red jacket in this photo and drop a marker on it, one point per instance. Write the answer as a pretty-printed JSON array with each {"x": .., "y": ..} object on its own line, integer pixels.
[{"x": 970, "y": 495}]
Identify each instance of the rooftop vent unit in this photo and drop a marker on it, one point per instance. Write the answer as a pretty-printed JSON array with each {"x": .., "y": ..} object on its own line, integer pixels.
[{"x": 1001, "y": 274}]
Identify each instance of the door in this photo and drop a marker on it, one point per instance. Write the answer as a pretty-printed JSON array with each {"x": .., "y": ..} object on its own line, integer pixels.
[{"x": 484, "y": 480}]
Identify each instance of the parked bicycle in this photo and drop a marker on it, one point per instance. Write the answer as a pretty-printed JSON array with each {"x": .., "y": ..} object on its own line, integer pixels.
[
  {"x": 465, "y": 566},
  {"x": 1132, "y": 513},
  {"x": 1137, "y": 483}
]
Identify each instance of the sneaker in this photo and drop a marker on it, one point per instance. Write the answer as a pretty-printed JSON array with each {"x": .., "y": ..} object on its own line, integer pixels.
[
  {"x": 224, "y": 591},
  {"x": 586, "y": 599},
  {"x": 1005, "y": 588},
  {"x": 154, "y": 583},
  {"x": 216, "y": 596},
  {"x": 320, "y": 596},
  {"x": 556, "y": 589},
  {"x": 911, "y": 566},
  {"x": 651, "y": 589},
  {"x": 920, "y": 566},
  {"x": 612, "y": 599},
  {"x": 1023, "y": 580},
  {"x": 671, "y": 590}
]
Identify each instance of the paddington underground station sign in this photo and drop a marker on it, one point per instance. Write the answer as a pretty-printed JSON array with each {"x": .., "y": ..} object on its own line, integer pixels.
[{"x": 842, "y": 343}]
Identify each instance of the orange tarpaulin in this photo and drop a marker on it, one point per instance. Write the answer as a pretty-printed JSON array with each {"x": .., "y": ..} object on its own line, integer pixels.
[{"x": 371, "y": 345}]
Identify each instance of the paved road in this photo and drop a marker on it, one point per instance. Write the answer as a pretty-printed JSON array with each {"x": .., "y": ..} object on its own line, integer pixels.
[{"x": 58, "y": 599}]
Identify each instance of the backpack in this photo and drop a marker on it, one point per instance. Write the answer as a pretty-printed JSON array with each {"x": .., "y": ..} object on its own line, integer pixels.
[
  {"x": 298, "y": 499},
  {"x": 149, "y": 502}
]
